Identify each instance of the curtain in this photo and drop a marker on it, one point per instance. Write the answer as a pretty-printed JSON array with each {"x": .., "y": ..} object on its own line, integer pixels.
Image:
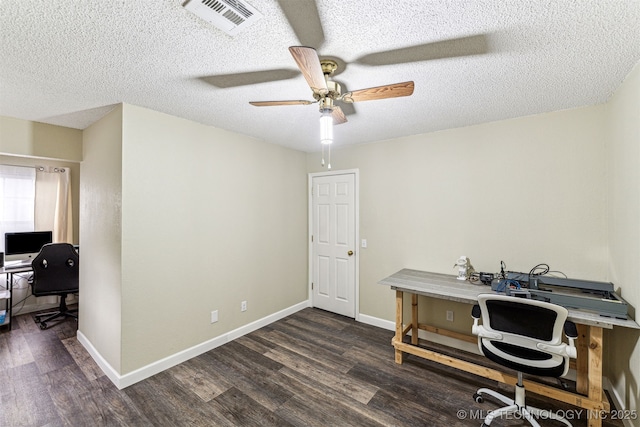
[
  {"x": 17, "y": 189},
  {"x": 53, "y": 203}
]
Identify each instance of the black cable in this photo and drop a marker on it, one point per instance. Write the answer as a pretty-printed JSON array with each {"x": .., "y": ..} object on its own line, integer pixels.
[
  {"x": 15, "y": 310},
  {"x": 502, "y": 267},
  {"x": 545, "y": 270},
  {"x": 543, "y": 266}
]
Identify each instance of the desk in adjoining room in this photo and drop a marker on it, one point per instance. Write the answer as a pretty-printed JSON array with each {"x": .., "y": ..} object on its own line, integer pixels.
[
  {"x": 7, "y": 294},
  {"x": 589, "y": 395}
]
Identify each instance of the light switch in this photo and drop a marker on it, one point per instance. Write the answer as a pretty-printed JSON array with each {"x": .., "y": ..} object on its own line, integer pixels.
[{"x": 364, "y": 243}]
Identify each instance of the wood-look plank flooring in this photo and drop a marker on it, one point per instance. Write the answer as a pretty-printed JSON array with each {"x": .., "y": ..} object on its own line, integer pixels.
[{"x": 312, "y": 368}]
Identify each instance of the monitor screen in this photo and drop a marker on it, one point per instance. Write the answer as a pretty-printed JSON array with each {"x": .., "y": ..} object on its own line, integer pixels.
[{"x": 26, "y": 245}]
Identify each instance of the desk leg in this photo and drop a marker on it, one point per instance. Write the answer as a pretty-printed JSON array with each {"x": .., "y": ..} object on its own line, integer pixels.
[
  {"x": 399, "y": 325},
  {"x": 589, "y": 368},
  {"x": 414, "y": 319},
  {"x": 582, "y": 361},
  {"x": 9, "y": 301},
  {"x": 595, "y": 370}
]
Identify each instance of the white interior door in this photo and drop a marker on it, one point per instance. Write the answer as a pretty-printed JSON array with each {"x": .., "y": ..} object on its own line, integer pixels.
[{"x": 334, "y": 243}]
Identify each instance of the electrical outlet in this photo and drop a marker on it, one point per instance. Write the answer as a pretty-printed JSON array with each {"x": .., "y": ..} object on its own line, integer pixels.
[
  {"x": 243, "y": 306},
  {"x": 214, "y": 316},
  {"x": 449, "y": 315}
]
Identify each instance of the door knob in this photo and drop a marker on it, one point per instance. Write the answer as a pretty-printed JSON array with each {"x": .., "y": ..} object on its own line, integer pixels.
[{"x": 350, "y": 253}]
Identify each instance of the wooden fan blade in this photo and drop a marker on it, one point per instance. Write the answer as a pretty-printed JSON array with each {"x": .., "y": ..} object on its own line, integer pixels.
[
  {"x": 338, "y": 116},
  {"x": 380, "y": 92},
  {"x": 273, "y": 103},
  {"x": 309, "y": 63}
]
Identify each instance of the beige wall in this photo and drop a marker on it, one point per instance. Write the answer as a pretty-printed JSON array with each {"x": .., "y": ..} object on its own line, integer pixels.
[
  {"x": 524, "y": 191},
  {"x": 32, "y": 139},
  {"x": 209, "y": 218},
  {"x": 101, "y": 238},
  {"x": 623, "y": 201}
]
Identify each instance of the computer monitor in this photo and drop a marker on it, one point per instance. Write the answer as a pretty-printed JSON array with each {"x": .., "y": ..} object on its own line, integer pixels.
[{"x": 25, "y": 246}]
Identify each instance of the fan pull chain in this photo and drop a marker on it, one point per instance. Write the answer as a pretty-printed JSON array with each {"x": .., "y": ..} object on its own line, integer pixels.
[{"x": 329, "y": 156}]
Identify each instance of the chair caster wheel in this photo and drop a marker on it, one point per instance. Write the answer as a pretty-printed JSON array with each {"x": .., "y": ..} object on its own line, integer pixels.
[
  {"x": 43, "y": 326},
  {"x": 478, "y": 398}
]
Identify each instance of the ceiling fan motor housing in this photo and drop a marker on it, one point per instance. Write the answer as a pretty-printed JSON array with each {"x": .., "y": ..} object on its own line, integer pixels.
[
  {"x": 328, "y": 66},
  {"x": 334, "y": 92}
]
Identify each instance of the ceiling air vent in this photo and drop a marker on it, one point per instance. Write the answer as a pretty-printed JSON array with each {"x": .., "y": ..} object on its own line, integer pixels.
[{"x": 231, "y": 16}]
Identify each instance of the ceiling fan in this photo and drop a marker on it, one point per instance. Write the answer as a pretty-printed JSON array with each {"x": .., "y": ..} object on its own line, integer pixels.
[
  {"x": 326, "y": 92},
  {"x": 304, "y": 18}
]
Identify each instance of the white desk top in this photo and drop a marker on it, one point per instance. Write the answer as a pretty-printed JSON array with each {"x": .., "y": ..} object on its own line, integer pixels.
[
  {"x": 23, "y": 269},
  {"x": 444, "y": 286}
]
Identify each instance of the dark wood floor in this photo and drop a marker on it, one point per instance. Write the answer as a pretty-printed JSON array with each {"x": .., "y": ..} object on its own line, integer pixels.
[{"x": 310, "y": 369}]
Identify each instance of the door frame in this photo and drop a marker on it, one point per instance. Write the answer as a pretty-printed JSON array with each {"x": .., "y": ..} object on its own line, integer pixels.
[{"x": 356, "y": 173}]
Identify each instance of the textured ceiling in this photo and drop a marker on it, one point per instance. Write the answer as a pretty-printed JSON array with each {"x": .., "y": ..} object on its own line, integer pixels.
[{"x": 66, "y": 62}]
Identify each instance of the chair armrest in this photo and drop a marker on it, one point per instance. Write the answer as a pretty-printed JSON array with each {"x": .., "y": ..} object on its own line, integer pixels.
[
  {"x": 560, "y": 349},
  {"x": 568, "y": 349},
  {"x": 571, "y": 332},
  {"x": 482, "y": 332},
  {"x": 476, "y": 312},
  {"x": 570, "y": 329}
]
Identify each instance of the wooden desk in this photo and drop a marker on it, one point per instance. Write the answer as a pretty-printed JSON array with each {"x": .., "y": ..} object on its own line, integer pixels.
[{"x": 589, "y": 396}]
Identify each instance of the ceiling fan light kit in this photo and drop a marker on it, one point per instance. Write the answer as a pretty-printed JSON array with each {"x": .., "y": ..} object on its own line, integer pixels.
[
  {"x": 326, "y": 127},
  {"x": 317, "y": 72},
  {"x": 326, "y": 134}
]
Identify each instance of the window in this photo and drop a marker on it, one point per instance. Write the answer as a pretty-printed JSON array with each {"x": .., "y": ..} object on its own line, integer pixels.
[{"x": 17, "y": 200}]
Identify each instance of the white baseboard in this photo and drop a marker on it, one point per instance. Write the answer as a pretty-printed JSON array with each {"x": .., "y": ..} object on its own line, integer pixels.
[
  {"x": 375, "y": 321},
  {"x": 617, "y": 401},
  {"x": 122, "y": 381}
]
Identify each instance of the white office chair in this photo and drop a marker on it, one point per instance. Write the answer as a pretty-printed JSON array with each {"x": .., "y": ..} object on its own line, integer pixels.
[{"x": 525, "y": 335}]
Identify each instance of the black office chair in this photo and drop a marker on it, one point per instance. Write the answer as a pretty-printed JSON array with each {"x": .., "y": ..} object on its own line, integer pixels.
[
  {"x": 525, "y": 335},
  {"x": 55, "y": 272}
]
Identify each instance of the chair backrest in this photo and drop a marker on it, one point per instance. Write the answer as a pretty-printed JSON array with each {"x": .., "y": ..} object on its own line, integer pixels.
[
  {"x": 55, "y": 270},
  {"x": 523, "y": 334}
]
